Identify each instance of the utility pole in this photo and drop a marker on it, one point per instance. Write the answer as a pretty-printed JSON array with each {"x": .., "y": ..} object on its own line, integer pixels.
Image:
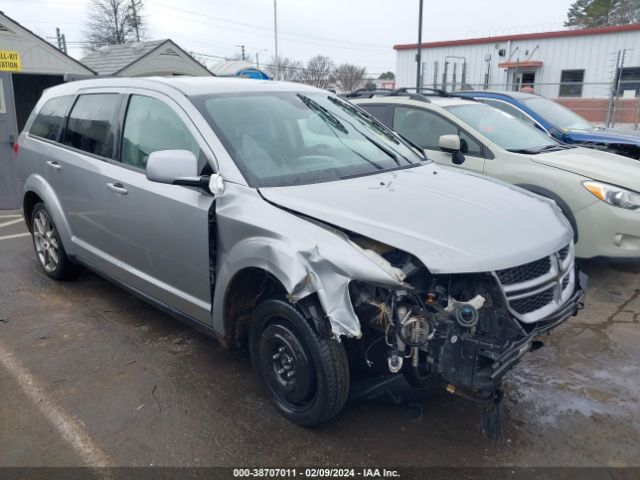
[
  {"x": 59, "y": 38},
  {"x": 617, "y": 88},
  {"x": 275, "y": 33},
  {"x": 136, "y": 20},
  {"x": 258, "y": 56},
  {"x": 613, "y": 91},
  {"x": 419, "y": 54},
  {"x": 242, "y": 55},
  {"x": 64, "y": 43}
]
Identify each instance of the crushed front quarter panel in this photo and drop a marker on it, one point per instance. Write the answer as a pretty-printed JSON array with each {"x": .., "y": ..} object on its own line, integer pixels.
[{"x": 306, "y": 257}]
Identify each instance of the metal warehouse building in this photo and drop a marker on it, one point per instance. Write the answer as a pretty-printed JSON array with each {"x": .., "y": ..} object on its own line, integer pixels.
[{"x": 569, "y": 64}]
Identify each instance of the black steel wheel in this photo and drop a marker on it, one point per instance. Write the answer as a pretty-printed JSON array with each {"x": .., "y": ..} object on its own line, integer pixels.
[{"x": 306, "y": 376}]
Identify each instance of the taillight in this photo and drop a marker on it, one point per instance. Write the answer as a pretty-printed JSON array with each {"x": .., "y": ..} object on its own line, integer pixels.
[{"x": 16, "y": 147}]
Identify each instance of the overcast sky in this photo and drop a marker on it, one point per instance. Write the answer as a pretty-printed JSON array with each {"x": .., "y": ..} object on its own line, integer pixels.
[{"x": 357, "y": 31}]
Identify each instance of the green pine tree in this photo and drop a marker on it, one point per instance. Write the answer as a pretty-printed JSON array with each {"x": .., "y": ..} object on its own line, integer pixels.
[{"x": 600, "y": 13}]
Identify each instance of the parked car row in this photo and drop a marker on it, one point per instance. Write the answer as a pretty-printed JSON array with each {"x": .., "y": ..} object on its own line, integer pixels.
[
  {"x": 597, "y": 191},
  {"x": 285, "y": 220},
  {"x": 561, "y": 123}
]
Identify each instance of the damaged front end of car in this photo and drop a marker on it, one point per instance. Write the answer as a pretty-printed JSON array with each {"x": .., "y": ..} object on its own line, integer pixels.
[{"x": 461, "y": 331}]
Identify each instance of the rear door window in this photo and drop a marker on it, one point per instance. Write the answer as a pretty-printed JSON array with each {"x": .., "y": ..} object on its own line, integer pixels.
[
  {"x": 90, "y": 123},
  {"x": 49, "y": 121}
]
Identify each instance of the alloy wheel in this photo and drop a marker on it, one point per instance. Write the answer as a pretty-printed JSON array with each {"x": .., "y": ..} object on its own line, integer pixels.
[{"x": 46, "y": 241}]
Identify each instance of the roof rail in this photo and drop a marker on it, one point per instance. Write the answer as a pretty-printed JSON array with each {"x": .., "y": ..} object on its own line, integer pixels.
[
  {"x": 363, "y": 92},
  {"x": 396, "y": 92},
  {"x": 426, "y": 91}
]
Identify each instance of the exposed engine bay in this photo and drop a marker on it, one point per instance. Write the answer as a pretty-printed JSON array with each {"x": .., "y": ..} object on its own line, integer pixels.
[{"x": 452, "y": 329}]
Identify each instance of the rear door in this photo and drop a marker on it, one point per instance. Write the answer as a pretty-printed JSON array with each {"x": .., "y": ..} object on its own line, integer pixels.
[
  {"x": 425, "y": 127},
  {"x": 161, "y": 232},
  {"x": 76, "y": 173}
]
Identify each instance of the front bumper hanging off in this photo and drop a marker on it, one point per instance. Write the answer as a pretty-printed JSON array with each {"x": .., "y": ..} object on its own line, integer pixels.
[{"x": 513, "y": 355}]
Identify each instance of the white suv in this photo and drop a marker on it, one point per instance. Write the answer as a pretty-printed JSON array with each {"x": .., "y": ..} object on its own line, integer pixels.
[{"x": 597, "y": 191}]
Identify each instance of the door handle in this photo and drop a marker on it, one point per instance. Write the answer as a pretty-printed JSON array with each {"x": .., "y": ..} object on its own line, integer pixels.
[
  {"x": 53, "y": 164},
  {"x": 118, "y": 188}
]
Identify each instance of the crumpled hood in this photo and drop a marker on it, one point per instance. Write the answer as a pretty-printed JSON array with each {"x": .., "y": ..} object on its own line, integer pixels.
[
  {"x": 605, "y": 135},
  {"x": 453, "y": 221},
  {"x": 595, "y": 164}
]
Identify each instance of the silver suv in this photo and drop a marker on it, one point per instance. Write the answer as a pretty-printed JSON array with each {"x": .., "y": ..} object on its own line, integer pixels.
[{"x": 283, "y": 219}]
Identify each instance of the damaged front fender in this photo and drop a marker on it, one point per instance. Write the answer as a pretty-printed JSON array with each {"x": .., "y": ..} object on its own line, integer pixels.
[{"x": 304, "y": 256}]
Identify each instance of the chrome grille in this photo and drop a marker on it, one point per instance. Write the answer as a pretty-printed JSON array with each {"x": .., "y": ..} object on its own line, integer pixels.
[{"x": 537, "y": 289}]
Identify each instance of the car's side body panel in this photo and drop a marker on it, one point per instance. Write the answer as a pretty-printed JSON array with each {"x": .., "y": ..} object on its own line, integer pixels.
[
  {"x": 305, "y": 256},
  {"x": 556, "y": 175}
]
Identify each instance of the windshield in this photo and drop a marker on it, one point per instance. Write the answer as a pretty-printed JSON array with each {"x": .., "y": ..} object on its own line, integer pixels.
[
  {"x": 503, "y": 129},
  {"x": 282, "y": 139},
  {"x": 559, "y": 116}
]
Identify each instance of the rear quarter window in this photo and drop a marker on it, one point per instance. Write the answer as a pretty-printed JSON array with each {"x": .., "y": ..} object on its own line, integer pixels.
[
  {"x": 90, "y": 124},
  {"x": 50, "y": 119}
]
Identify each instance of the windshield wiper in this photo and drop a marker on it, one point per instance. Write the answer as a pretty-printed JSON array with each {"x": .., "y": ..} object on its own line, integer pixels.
[
  {"x": 415, "y": 146},
  {"x": 377, "y": 126},
  {"x": 323, "y": 113},
  {"x": 332, "y": 121},
  {"x": 372, "y": 121},
  {"x": 534, "y": 151},
  {"x": 382, "y": 147}
]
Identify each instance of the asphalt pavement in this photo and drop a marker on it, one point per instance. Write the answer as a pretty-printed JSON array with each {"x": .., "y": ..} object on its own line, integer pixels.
[{"x": 90, "y": 375}]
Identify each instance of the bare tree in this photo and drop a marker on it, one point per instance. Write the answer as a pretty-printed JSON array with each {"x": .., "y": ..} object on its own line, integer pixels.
[
  {"x": 286, "y": 69},
  {"x": 318, "y": 72},
  {"x": 349, "y": 77},
  {"x": 114, "y": 22}
]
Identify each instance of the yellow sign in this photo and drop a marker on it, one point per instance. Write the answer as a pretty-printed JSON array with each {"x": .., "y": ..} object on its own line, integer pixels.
[{"x": 10, "y": 61}]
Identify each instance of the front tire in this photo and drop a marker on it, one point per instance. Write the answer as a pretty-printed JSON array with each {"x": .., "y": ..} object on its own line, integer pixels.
[
  {"x": 48, "y": 246},
  {"x": 306, "y": 376}
]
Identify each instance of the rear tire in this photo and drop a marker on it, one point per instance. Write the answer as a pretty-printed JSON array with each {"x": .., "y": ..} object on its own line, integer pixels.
[
  {"x": 306, "y": 376},
  {"x": 49, "y": 250}
]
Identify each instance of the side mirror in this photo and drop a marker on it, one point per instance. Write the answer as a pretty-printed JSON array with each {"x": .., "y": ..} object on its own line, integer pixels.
[
  {"x": 451, "y": 144},
  {"x": 174, "y": 167}
]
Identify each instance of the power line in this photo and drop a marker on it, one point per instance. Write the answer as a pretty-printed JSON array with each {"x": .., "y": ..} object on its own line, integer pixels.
[
  {"x": 340, "y": 42},
  {"x": 267, "y": 35},
  {"x": 226, "y": 20}
]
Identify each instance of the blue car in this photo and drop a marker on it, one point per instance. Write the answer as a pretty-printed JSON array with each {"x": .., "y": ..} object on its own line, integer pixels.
[{"x": 560, "y": 122}]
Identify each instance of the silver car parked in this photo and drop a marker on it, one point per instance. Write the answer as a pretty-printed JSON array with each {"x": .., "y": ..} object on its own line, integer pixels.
[{"x": 283, "y": 219}]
